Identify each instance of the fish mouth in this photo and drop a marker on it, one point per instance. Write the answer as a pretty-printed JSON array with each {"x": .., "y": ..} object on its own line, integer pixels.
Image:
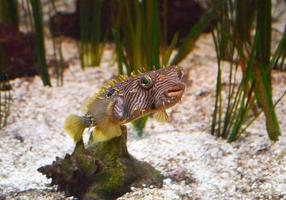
[{"x": 175, "y": 92}]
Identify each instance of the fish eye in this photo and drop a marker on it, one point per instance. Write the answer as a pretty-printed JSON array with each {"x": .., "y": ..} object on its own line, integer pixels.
[
  {"x": 110, "y": 92},
  {"x": 146, "y": 82}
]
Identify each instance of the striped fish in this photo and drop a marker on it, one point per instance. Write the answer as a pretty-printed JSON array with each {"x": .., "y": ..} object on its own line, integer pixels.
[{"x": 126, "y": 99}]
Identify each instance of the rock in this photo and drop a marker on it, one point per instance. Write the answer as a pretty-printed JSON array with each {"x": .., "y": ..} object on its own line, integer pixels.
[
  {"x": 181, "y": 17},
  {"x": 104, "y": 170},
  {"x": 19, "y": 52}
]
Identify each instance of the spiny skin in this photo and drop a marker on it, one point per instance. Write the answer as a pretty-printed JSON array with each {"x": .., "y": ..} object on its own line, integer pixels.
[
  {"x": 132, "y": 100},
  {"x": 129, "y": 98}
]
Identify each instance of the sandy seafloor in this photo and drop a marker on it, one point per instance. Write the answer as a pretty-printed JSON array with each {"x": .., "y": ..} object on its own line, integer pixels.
[{"x": 197, "y": 165}]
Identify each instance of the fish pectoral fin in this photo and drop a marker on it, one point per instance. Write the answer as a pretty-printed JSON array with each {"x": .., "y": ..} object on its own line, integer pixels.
[
  {"x": 161, "y": 116},
  {"x": 108, "y": 133}
]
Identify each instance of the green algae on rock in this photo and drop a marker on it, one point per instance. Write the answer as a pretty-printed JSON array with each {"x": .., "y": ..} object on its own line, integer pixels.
[{"x": 104, "y": 170}]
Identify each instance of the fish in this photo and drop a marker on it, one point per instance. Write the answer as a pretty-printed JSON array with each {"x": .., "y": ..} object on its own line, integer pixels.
[{"x": 126, "y": 99}]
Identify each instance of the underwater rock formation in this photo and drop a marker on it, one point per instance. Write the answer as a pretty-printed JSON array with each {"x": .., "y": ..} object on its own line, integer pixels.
[
  {"x": 103, "y": 170},
  {"x": 18, "y": 51},
  {"x": 181, "y": 17}
]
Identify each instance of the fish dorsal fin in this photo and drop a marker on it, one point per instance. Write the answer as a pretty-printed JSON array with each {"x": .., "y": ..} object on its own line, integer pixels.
[
  {"x": 89, "y": 102},
  {"x": 99, "y": 109},
  {"x": 161, "y": 116}
]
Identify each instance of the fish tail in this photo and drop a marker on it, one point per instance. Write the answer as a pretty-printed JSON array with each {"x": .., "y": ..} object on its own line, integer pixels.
[{"x": 74, "y": 127}]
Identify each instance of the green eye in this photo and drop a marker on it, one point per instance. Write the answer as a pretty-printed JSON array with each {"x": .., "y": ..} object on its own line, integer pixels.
[{"x": 146, "y": 82}]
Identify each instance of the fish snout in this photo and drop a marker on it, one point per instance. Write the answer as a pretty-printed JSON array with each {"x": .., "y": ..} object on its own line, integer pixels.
[{"x": 175, "y": 91}]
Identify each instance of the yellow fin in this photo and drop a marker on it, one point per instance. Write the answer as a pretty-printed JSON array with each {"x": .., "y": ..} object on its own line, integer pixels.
[
  {"x": 161, "y": 116},
  {"x": 89, "y": 101},
  {"x": 74, "y": 127},
  {"x": 108, "y": 133}
]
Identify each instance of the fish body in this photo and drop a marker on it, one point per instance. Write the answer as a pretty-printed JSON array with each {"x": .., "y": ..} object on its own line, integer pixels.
[{"x": 126, "y": 99}]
